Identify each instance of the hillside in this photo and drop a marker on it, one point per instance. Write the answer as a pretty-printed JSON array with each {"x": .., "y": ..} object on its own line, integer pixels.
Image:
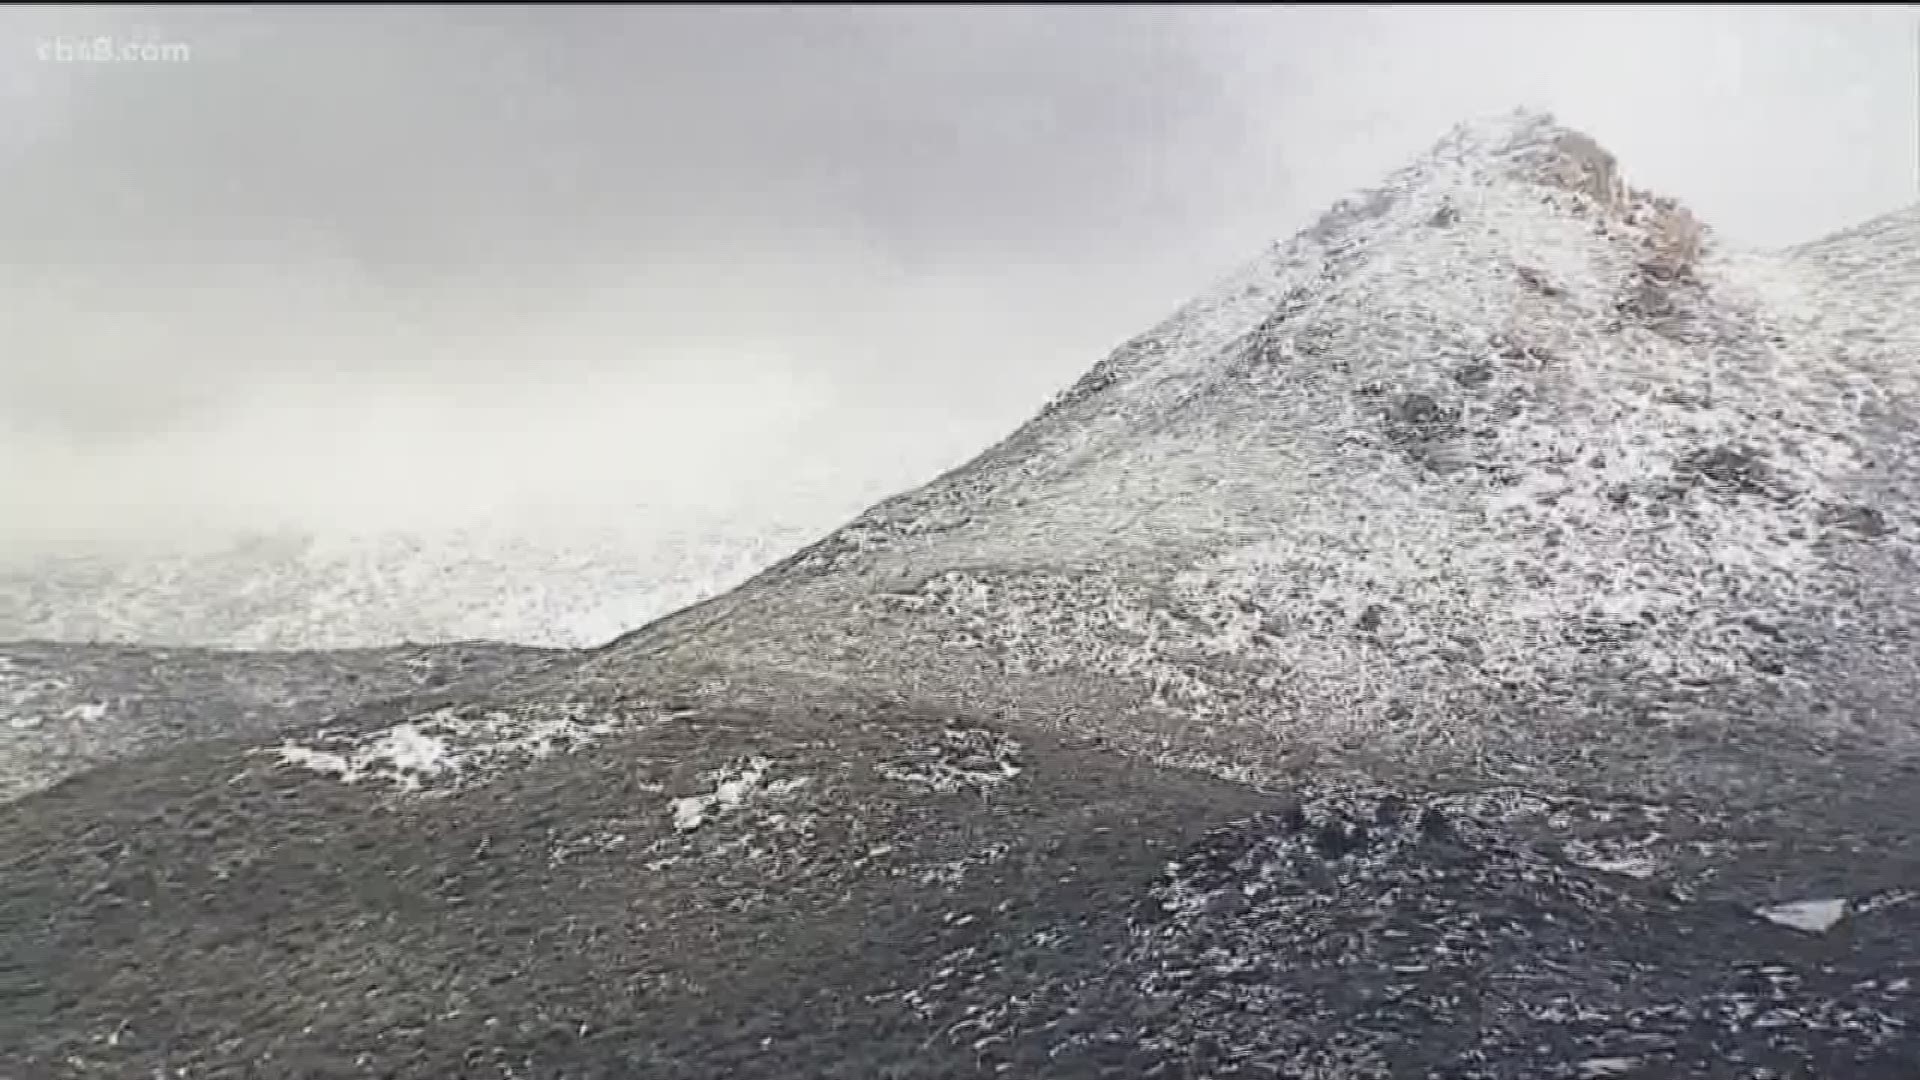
[
  {"x": 560, "y": 584},
  {"x": 1502, "y": 469},
  {"x": 65, "y": 708},
  {"x": 1472, "y": 642}
]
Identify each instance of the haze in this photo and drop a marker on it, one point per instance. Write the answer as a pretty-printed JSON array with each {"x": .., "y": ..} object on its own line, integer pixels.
[{"x": 352, "y": 268}]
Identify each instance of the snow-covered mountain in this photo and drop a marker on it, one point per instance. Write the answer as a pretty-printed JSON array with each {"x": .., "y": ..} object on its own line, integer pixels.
[
  {"x": 1503, "y": 467},
  {"x": 1529, "y": 577},
  {"x": 566, "y": 571},
  {"x": 561, "y": 585}
]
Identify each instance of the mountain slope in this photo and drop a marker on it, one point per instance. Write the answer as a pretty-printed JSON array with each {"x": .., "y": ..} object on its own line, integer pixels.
[
  {"x": 1503, "y": 469},
  {"x": 1531, "y": 577},
  {"x": 67, "y": 708},
  {"x": 558, "y": 584}
]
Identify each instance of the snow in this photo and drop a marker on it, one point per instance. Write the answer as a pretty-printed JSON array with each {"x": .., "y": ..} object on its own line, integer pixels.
[
  {"x": 1807, "y": 916},
  {"x": 1633, "y": 866},
  {"x": 1465, "y": 491},
  {"x": 403, "y": 753},
  {"x": 23, "y": 698},
  {"x": 561, "y": 583},
  {"x": 963, "y": 759},
  {"x": 1460, "y": 474},
  {"x": 1453, "y": 477},
  {"x": 447, "y": 748},
  {"x": 729, "y": 793}
]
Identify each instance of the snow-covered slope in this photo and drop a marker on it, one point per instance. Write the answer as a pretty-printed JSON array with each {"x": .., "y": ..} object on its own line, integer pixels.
[
  {"x": 1502, "y": 467},
  {"x": 565, "y": 584}
]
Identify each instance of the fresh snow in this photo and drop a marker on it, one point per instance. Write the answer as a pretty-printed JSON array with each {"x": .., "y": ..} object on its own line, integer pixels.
[
  {"x": 566, "y": 584},
  {"x": 730, "y": 791},
  {"x": 21, "y": 697},
  {"x": 1807, "y": 916},
  {"x": 445, "y": 749},
  {"x": 1458, "y": 474}
]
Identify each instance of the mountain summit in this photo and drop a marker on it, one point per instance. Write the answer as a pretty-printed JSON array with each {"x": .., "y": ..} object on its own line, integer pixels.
[
  {"x": 1474, "y": 641},
  {"x": 1504, "y": 467}
]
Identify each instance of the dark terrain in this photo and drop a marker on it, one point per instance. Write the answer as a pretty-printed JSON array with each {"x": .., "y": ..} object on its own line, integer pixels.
[
  {"x": 66, "y": 707},
  {"x": 914, "y": 908}
]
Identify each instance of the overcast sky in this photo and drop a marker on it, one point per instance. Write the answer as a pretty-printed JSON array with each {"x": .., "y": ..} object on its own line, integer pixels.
[{"x": 356, "y": 267}]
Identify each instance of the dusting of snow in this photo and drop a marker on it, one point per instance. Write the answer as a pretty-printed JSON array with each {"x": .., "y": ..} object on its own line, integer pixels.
[
  {"x": 1500, "y": 458},
  {"x": 1503, "y": 463},
  {"x": 1636, "y": 865},
  {"x": 1328, "y": 938},
  {"x": 595, "y": 843},
  {"x": 731, "y": 790},
  {"x": 26, "y": 699},
  {"x": 963, "y": 759},
  {"x": 402, "y": 753},
  {"x": 564, "y": 584},
  {"x": 448, "y": 748},
  {"x": 1882, "y": 901}
]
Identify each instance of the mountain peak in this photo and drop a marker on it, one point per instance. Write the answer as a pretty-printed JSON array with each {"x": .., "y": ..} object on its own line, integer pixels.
[
  {"x": 1565, "y": 169},
  {"x": 1411, "y": 487}
]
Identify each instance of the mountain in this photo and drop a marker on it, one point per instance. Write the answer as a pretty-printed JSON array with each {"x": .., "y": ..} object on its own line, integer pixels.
[
  {"x": 1473, "y": 641},
  {"x": 1500, "y": 463},
  {"x": 556, "y": 584}
]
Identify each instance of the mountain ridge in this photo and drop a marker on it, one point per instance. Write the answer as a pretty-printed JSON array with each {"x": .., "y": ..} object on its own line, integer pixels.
[{"x": 1625, "y": 327}]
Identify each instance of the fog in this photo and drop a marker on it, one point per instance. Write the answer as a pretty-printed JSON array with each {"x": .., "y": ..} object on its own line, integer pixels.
[{"x": 344, "y": 268}]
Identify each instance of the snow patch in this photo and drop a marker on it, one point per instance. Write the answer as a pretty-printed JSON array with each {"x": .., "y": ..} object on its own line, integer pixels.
[
  {"x": 1633, "y": 866},
  {"x": 964, "y": 758},
  {"x": 446, "y": 749},
  {"x": 1807, "y": 916},
  {"x": 26, "y": 703},
  {"x": 729, "y": 793},
  {"x": 1614, "y": 858}
]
